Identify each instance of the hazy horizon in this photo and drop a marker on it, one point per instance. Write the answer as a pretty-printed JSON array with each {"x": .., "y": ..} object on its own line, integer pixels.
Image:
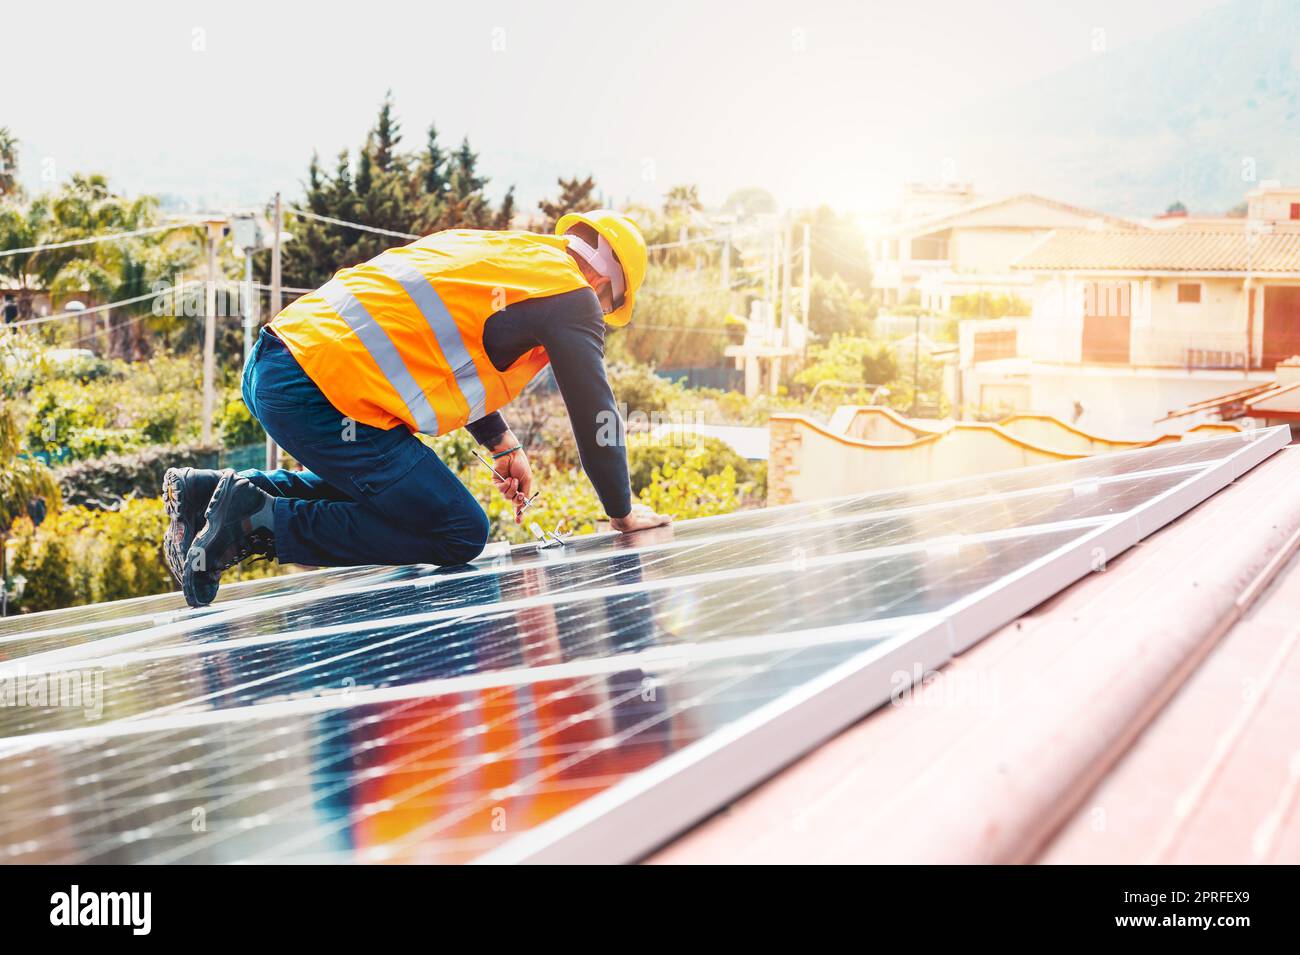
[{"x": 818, "y": 102}]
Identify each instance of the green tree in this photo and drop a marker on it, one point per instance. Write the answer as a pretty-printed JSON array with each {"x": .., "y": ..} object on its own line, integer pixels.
[
  {"x": 8, "y": 163},
  {"x": 681, "y": 319},
  {"x": 433, "y": 166},
  {"x": 576, "y": 195},
  {"x": 388, "y": 188},
  {"x": 682, "y": 200},
  {"x": 46, "y": 570},
  {"x": 23, "y": 481},
  {"x": 506, "y": 214},
  {"x": 834, "y": 308},
  {"x": 82, "y": 207},
  {"x": 849, "y": 359},
  {"x": 838, "y": 247},
  {"x": 749, "y": 203}
]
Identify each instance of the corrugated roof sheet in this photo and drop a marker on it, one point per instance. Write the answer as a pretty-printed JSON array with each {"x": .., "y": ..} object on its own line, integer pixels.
[{"x": 1178, "y": 251}]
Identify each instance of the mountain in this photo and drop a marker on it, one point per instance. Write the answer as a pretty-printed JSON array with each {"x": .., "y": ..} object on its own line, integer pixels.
[{"x": 1198, "y": 114}]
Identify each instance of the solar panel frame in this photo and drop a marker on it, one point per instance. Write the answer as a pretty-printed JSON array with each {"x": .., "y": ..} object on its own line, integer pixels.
[{"x": 638, "y": 814}]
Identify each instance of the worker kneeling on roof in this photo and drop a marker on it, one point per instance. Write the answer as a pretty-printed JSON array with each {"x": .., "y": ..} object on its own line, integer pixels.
[{"x": 430, "y": 337}]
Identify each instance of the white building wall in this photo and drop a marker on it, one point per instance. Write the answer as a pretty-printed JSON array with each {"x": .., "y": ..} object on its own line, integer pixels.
[
  {"x": 1056, "y": 328},
  {"x": 1217, "y": 323},
  {"x": 1125, "y": 400},
  {"x": 1118, "y": 404}
]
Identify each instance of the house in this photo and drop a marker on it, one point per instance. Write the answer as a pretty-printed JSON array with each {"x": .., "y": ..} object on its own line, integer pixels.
[
  {"x": 967, "y": 248},
  {"x": 1128, "y": 325}
]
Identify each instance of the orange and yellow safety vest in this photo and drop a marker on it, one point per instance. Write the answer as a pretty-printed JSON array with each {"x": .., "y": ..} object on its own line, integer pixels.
[{"x": 399, "y": 339}]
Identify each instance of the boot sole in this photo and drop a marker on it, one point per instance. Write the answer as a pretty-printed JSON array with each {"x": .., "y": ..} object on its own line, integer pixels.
[
  {"x": 178, "y": 536},
  {"x": 200, "y": 587}
]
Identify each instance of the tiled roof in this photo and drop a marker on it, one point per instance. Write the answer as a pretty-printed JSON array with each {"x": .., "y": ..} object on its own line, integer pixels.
[
  {"x": 1176, "y": 251},
  {"x": 953, "y": 217}
]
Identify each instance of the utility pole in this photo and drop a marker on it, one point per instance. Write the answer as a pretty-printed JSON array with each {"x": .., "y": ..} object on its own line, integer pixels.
[
  {"x": 250, "y": 302},
  {"x": 787, "y": 268},
  {"x": 916, "y": 363},
  {"x": 774, "y": 267},
  {"x": 767, "y": 270},
  {"x": 210, "y": 332},
  {"x": 272, "y": 450},
  {"x": 805, "y": 295},
  {"x": 726, "y": 263},
  {"x": 248, "y": 237}
]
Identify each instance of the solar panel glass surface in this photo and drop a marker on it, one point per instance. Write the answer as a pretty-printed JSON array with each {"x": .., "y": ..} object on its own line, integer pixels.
[{"x": 414, "y": 714}]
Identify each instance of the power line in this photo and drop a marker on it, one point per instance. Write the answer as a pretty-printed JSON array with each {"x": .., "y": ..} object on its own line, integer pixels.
[
  {"x": 101, "y": 308},
  {"x": 283, "y": 288},
  {"x": 350, "y": 225},
  {"x": 91, "y": 240},
  {"x": 347, "y": 224},
  {"x": 682, "y": 243}
]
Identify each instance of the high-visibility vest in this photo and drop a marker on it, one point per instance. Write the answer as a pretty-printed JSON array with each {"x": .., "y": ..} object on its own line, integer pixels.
[{"x": 399, "y": 339}]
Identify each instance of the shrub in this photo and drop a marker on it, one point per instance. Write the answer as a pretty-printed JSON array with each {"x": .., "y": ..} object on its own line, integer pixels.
[
  {"x": 107, "y": 481},
  {"x": 684, "y": 490},
  {"x": 83, "y": 555},
  {"x": 43, "y": 569},
  {"x": 640, "y": 389},
  {"x": 456, "y": 450},
  {"x": 709, "y": 456},
  {"x": 684, "y": 482},
  {"x": 237, "y": 426}
]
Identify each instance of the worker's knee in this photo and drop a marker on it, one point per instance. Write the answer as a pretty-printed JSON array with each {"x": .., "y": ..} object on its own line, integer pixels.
[{"x": 465, "y": 540}]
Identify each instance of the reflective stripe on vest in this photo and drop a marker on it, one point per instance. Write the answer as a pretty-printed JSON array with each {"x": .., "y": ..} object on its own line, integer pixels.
[
  {"x": 444, "y": 328},
  {"x": 384, "y": 353},
  {"x": 399, "y": 339}
]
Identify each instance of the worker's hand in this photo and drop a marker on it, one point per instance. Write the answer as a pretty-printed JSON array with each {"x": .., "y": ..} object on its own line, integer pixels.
[
  {"x": 514, "y": 480},
  {"x": 639, "y": 519}
]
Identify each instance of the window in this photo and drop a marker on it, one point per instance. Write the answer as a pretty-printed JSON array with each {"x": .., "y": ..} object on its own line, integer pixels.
[
  {"x": 991, "y": 346},
  {"x": 1295, "y": 210},
  {"x": 1189, "y": 293}
]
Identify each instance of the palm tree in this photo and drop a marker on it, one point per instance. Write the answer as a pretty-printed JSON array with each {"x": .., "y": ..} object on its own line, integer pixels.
[
  {"x": 8, "y": 163},
  {"x": 84, "y": 206}
]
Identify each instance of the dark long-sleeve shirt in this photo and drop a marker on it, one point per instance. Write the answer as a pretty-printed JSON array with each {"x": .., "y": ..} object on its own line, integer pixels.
[{"x": 571, "y": 327}]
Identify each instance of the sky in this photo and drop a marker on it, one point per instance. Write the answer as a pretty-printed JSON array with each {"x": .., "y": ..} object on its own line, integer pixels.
[{"x": 223, "y": 103}]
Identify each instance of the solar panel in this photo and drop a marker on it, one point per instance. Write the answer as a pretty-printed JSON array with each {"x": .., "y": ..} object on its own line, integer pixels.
[{"x": 575, "y": 704}]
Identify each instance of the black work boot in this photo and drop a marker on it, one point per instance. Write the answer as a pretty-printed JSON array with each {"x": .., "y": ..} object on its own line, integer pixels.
[
  {"x": 232, "y": 533},
  {"x": 185, "y": 494}
]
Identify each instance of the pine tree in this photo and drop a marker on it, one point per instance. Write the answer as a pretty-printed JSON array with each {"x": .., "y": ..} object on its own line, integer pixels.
[
  {"x": 387, "y": 136},
  {"x": 466, "y": 183},
  {"x": 365, "y": 167},
  {"x": 507, "y": 211},
  {"x": 385, "y": 188},
  {"x": 435, "y": 165},
  {"x": 576, "y": 195},
  {"x": 8, "y": 163}
]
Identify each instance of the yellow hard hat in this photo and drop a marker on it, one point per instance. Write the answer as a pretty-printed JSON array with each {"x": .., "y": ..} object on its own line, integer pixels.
[{"x": 629, "y": 248}]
